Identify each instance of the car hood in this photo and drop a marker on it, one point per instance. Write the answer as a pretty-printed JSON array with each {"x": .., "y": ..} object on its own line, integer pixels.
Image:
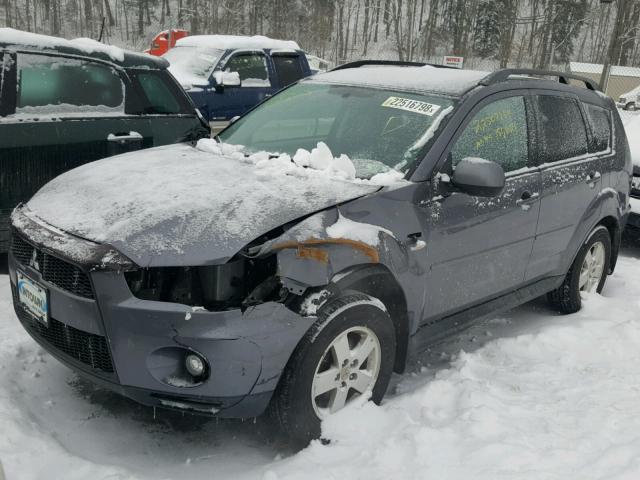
[{"x": 178, "y": 205}]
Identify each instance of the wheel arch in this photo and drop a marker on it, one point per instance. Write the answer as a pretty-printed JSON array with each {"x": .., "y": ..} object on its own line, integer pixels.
[
  {"x": 377, "y": 281},
  {"x": 615, "y": 232}
]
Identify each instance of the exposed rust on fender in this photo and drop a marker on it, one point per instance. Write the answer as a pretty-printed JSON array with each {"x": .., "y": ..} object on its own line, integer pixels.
[
  {"x": 312, "y": 253},
  {"x": 305, "y": 252}
]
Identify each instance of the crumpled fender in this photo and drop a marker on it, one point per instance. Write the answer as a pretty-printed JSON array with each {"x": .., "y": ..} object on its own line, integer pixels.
[{"x": 315, "y": 250}]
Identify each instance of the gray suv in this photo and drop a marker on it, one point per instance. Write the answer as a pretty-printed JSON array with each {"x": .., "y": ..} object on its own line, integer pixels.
[{"x": 325, "y": 238}]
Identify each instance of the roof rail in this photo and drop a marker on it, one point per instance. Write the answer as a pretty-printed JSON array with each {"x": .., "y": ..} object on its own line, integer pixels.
[
  {"x": 390, "y": 63},
  {"x": 563, "y": 77}
]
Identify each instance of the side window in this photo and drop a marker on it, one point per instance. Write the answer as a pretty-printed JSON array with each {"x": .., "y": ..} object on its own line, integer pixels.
[
  {"x": 49, "y": 84},
  {"x": 252, "y": 68},
  {"x": 162, "y": 96},
  {"x": 288, "y": 69},
  {"x": 600, "y": 121},
  {"x": 498, "y": 132},
  {"x": 562, "y": 131}
]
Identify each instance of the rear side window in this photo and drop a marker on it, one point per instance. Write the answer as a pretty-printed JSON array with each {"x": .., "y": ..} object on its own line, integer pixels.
[
  {"x": 288, "y": 69},
  {"x": 162, "y": 95},
  {"x": 600, "y": 122},
  {"x": 49, "y": 84},
  {"x": 252, "y": 69},
  {"x": 498, "y": 132},
  {"x": 562, "y": 131}
]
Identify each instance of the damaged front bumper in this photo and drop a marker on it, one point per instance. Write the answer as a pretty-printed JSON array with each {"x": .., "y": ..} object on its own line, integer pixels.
[{"x": 138, "y": 347}]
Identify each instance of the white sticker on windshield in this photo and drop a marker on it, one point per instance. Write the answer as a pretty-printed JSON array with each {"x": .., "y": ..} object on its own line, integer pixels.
[{"x": 415, "y": 106}]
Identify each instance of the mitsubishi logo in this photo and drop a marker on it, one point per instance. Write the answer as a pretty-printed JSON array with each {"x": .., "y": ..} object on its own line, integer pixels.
[{"x": 34, "y": 260}]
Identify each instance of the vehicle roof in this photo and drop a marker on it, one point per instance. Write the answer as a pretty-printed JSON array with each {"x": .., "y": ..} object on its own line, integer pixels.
[
  {"x": 86, "y": 47},
  {"x": 447, "y": 81},
  {"x": 235, "y": 42}
]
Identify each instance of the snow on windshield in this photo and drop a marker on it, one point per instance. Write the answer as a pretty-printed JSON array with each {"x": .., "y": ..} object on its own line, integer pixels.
[
  {"x": 192, "y": 65},
  {"x": 377, "y": 129},
  {"x": 319, "y": 162}
]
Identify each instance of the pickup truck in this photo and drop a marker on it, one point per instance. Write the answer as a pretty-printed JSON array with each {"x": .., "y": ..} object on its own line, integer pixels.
[{"x": 228, "y": 75}]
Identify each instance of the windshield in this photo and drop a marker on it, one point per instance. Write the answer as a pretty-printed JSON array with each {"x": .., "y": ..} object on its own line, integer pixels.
[
  {"x": 192, "y": 65},
  {"x": 377, "y": 129}
]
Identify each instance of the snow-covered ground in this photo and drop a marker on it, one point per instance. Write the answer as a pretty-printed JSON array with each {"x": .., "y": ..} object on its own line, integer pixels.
[
  {"x": 526, "y": 395},
  {"x": 532, "y": 395}
]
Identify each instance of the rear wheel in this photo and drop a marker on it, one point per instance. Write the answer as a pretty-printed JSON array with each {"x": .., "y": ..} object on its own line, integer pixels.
[
  {"x": 630, "y": 106},
  {"x": 348, "y": 352},
  {"x": 588, "y": 272}
]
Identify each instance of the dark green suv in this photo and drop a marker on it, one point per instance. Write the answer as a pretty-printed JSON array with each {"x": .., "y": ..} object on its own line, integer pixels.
[{"x": 65, "y": 103}]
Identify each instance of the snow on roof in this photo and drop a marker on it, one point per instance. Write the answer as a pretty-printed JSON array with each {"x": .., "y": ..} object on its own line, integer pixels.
[
  {"x": 579, "y": 67},
  {"x": 79, "y": 46},
  {"x": 234, "y": 42},
  {"x": 448, "y": 81},
  {"x": 11, "y": 36}
]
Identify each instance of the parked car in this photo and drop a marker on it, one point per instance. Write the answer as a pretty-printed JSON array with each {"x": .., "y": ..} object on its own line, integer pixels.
[
  {"x": 333, "y": 233},
  {"x": 227, "y": 75},
  {"x": 630, "y": 100},
  {"x": 165, "y": 40},
  {"x": 65, "y": 103}
]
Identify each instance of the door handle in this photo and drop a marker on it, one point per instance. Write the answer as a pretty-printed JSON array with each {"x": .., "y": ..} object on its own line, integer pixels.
[
  {"x": 592, "y": 178},
  {"x": 527, "y": 197},
  {"x": 124, "y": 137}
]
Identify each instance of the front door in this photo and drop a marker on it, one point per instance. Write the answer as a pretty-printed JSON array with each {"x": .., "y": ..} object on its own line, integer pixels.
[
  {"x": 256, "y": 85},
  {"x": 478, "y": 248}
]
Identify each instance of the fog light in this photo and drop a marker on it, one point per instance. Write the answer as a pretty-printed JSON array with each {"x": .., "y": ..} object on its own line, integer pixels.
[{"x": 195, "y": 365}]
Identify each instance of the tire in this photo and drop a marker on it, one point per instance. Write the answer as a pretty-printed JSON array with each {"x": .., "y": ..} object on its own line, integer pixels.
[
  {"x": 355, "y": 315},
  {"x": 566, "y": 298},
  {"x": 630, "y": 106}
]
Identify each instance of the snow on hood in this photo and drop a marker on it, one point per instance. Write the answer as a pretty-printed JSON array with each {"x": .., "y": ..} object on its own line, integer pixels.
[{"x": 181, "y": 205}]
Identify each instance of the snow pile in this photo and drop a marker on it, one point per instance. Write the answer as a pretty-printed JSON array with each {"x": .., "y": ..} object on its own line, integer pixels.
[
  {"x": 547, "y": 397},
  {"x": 233, "y": 42},
  {"x": 87, "y": 45},
  {"x": 319, "y": 162}
]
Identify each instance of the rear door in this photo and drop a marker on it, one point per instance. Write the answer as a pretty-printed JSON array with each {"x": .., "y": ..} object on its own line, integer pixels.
[
  {"x": 66, "y": 111},
  {"x": 289, "y": 67},
  {"x": 29, "y": 146},
  {"x": 257, "y": 83},
  {"x": 571, "y": 180},
  {"x": 478, "y": 248},
  {"x": 165, "y": 105}
]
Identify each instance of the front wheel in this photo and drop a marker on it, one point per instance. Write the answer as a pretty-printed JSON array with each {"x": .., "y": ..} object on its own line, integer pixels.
[
  {"x": 348, "y": 352},
  {"x": 588, "y": 272}
]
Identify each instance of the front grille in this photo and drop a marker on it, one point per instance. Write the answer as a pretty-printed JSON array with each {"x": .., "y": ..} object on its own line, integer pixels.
[
  {"x": 87, "y": 348},
  {"x": 54, "y": 270}
]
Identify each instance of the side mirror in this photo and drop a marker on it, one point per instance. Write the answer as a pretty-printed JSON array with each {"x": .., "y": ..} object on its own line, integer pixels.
[
  {"x": 227, "y": 79},
  {"x": 479, "y": 177}
]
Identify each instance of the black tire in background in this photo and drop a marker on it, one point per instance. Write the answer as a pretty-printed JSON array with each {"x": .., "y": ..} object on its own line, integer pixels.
[
  {"x": 566, "y": 298},
  {"x": 293, "y": 407}
]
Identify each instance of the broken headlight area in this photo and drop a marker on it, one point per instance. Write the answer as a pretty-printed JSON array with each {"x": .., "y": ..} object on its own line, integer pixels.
[{"x": 240, "y": 283}]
